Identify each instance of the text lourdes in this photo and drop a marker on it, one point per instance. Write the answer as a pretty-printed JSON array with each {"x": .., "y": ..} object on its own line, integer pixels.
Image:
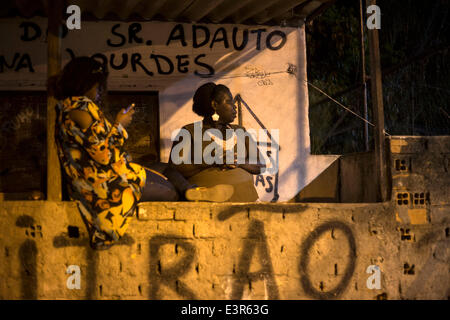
[{"x": 202, "y": 37}]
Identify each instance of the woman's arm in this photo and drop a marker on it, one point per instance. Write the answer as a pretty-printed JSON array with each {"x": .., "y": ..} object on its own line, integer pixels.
[
  {"x": 82, "y": 118},
  {"x": 96, "y": 137}
]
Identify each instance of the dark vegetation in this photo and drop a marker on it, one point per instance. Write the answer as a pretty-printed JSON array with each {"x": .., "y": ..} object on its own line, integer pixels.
[{"x": 414, "y": 49}]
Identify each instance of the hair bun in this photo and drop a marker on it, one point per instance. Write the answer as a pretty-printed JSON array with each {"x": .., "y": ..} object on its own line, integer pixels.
[{"x": 202, "y": 99}]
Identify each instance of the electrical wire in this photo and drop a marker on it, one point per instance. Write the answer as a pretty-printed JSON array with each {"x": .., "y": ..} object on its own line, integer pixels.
[{"x": 292, "y": 70}]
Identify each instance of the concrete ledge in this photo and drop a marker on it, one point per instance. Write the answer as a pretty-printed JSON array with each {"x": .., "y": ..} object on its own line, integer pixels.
[{"x": 178, "y": 250}]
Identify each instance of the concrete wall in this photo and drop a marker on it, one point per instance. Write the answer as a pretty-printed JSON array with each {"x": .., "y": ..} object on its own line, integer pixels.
[
  {"x": 324, "y": 188},
  {"x": 220, "y": 251},
  {"x": 418, "y": 172},
  {"x": 188, "y": 250},
  {"x": 356, "y": 177},
  {"x": 419, "y": 167},
  {"x": 350, "y": 179}
]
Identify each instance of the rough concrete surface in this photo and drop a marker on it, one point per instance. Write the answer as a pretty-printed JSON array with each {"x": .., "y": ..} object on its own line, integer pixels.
[
  {"x": 219, "y": 251},
  {"x": 183, "y": 250}
]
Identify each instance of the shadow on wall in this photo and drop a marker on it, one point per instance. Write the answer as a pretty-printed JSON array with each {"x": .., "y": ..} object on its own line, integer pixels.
[
  {"x": 273, "y": 251},
  {"x": 350, "y": 179}
]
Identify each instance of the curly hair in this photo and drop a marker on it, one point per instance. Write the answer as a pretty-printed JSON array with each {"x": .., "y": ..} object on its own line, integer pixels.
[
  {"x": 205, "y": 95},
  {"x": 78, "y": 76}
]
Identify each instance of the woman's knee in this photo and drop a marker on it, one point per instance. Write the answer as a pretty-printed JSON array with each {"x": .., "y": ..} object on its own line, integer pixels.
[{"x": 158, "y": 192}]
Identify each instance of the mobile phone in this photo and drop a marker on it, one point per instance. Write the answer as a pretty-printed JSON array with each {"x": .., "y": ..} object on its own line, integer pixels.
[{"x": 128, "y": 108}]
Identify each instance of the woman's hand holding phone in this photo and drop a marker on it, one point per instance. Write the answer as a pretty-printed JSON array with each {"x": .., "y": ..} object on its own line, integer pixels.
[{"x": 125, "y": 115}]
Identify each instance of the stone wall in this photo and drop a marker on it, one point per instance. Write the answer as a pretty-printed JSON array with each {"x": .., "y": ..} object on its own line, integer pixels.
[
  {"x": 219, "y": 251},
  {"x": 349, "y": 179},
  {"x": 185, "y": 250}
]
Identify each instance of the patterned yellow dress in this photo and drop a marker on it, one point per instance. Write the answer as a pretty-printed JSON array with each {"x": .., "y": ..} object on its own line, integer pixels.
[{"x": 104, "y": 183}]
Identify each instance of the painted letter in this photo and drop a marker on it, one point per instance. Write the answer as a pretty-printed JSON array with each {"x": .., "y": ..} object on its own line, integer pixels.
[
  {"x": 195, "y": 43},
  {"x": 168, "y": 274},
  {"x": 27, "y": 27},
  {"x": 255, "y": 241},
  {"x": 177, "y": 33},
  {"x": 273, "y": 155}
]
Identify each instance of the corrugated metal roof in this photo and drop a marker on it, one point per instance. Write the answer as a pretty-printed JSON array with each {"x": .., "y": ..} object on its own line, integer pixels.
[{"x": 269, "y": 12}]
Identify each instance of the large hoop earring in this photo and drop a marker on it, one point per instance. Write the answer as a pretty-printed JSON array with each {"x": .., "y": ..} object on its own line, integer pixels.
[{"x": 215, "y": 116}]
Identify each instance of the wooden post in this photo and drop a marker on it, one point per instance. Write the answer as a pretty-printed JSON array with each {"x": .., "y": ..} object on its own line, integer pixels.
[
  {"x": 53, "y": 67},
  {"x": 378, "y": 113},
  {"x": 363, "y": 76}
]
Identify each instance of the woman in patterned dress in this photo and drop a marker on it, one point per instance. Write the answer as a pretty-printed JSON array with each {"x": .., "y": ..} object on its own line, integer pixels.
[{"x": 100, "y": 177}]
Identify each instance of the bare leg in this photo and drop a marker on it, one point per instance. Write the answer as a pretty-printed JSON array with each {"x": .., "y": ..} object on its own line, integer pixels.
[{"x": 177, "y": 187}]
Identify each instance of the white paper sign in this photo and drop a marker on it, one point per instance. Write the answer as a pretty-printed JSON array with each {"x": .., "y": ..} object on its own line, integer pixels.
[{"x": 265, "y": 65}]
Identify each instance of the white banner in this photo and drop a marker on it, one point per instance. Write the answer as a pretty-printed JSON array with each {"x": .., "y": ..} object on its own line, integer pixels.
[{"x": 265, "y": 65}]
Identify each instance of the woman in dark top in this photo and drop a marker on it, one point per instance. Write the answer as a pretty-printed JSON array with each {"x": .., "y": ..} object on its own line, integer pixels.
[{"x": 215, "y": 104}]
